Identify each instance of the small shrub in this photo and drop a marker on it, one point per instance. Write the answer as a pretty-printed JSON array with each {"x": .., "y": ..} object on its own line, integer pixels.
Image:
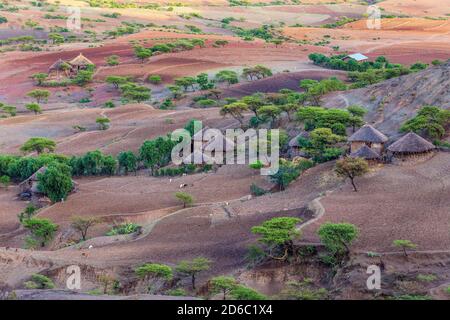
[
  {"x": 124, "y": 228},
  {"x": 39, "y": 281}
]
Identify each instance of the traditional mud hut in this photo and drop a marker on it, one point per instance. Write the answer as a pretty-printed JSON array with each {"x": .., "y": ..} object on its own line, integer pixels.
[
  {"x": 366, "y": 153},
  {"x": 80, "y": 62},
  {"x": 59, "y": 67},
  {"x": 30, "y": 185},
  {"x": 369, "y": 136},
  {"x": 411, "y": 147}
]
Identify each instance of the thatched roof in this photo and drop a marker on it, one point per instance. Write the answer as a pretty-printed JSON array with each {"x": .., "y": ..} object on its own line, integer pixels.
[
  {"x": 411, "y": 143},
  {"x": 366, "y": 153},
  {"x": 34, "y": 176},
  {"x": 80, "y": 60},
  {"x": 58, "y": 65},
  {"x": 367, "y": 133}
]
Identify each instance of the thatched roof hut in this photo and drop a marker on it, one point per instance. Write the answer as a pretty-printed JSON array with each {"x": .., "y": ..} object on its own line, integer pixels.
[
  {"x": 367, "y": 133},
  {"x": 31, "y": 184},
  {"x": 366, "y": 153},
  {"x": 411, "y": 143},
  {"x": 80, "y": 61},
  {"x": 59, "y": 65}
]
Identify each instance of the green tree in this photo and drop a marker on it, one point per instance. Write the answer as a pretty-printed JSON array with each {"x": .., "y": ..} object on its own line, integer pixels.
[
  {"x": 430, "y": 122},
  {"x": 253, "y": 102},
  {"x": 39, "y": 78},
  {"x": 287, "y": 172},
  {"x": 103, "y": 123},
  {"x": 185, "y": 198},
  {"x": 39, "y": 95},
  {"x": 142, "y": 53},
  {"x": 83, "y": 77},
  {"x": 56, "y": 38},
  {"x": 236, "y": 110},
  {"x": 337, "y": 237},
  {"x": 223, "y": 285},
  {"x": 127, "y": 161},
  {"x": 116, "y": 81},
  {"x": 270, "y": 113},
  {"x": 186, "y": 83},
  {"x": 351, "y": 168},
  {"x": 154, "y": 270},
  {"x": 135, "y": 92},
  {"x": 82, "y": 224},
  {"x": 42, "y": 230},
  {"x": 4, "y": 181},
  {"x": 241, "y": 292},
  {"x": 356, "y": 111},
  {"x": 156, "y": 153},
  {"x": 38, "y": 145},
  {"x": 39, "y": 281},
  {"x": 278, "y": 234},
  {"x": 404, "y": 244},
  {"x": 191, "y": 268},
  {"x": 203, "y": 81},
  {"x": 228, "y": 76},
  {"x": 112, "y": 60},
  {"x": 154, "y": 79},
  {"x": 34, "y": 107},
  {"x": 56, "y": 181}
]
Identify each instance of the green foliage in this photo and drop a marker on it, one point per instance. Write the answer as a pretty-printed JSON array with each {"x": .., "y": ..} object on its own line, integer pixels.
[
  {"x": 156, "y": 153},
  {"x": 426, "y": 277},
  {"x": 83, "y": 77},
  {"x": 5, "y": 180},
  {"x": 34, "y": 107},
  {"x": 430, "y": 122},
  {"x": 142, "y": 53},
  {"x": 154, "y": 270},
  {"x": 42, "y": 230},
  {"x": 39, "y": 95},
  {"x": 228, "y": 76},
  {"x": 190, "y": 268},
  {"x": 103, "y": 123},
  {"x": 223, "y": 284},
  {"x": 337, "y": 237},
  {"x": 56, "y": 181},
  {"x": 112, "y": 60},
  {"x": 38, "y": 145},
  {"x": 296, "y": 290},
  {"x": 256, "y": 72},
  {"x": 186, "y": 83},
  {"x": 236, "y": 110},
  {"x": 124, "y": 228},
  {"x": 116, "y": 81},
  {"x": 277, "y": 231},
  {"x": 127, "y": 161},
  {"x": 321, "y": 145},
  {"x": 39, "y": 78},
  {"x": 82, "y": 224},
  {"x": 185, "y": 198},
  {"x": 351, "y": 168},
  {"x": 241, "y": 292},
  {"x": 28, "y": 213},
  {"x": 39, "y": 281},
  {"x": 154, "y": 79},
  {"x": 404, "y": 244},
  {"x": 257, "y": 191},
  {"x": 314, "y": 89},
  {"x": 93, "y": 163},
  {"x": 287, "y": 172},
  {"x": 134, "y": 92}
]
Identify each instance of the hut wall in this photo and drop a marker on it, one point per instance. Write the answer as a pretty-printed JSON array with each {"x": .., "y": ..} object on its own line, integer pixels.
[
  {"x": 411, "y": 158},
  {"x": 378, "y": 147},
  {"x": 355, "y": 145}
]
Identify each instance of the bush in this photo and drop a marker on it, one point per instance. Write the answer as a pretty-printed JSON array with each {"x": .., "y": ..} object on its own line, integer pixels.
[
  {"x": 42, "y": 230},
  {"x": 154, "y": 79},
  {"x": 241, "y": 292},
  {"x": 257, "y": 191},
  {"x": 39, "y": 281},
  {"x": 124, "y": 228},
  {"x": 155, "y": 270}
]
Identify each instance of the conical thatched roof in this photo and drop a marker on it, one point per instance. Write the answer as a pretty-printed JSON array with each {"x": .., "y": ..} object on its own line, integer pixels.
[
  {"x": 58, "y": 65},
  {"x": 411, "y": 143},
  {"x": 80, "y": 60},
  {"x": 367, "y": 133},
  {"x": 366, "y": 153}
]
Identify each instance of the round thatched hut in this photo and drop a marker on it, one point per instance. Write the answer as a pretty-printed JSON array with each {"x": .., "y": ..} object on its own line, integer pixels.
[
  {"x": 411, "y": 147},
  {"x": 80, "y": 62},
  {"x": 59, "y": 66},
  {"x": 366, "y": 153},
  {"x": 367, "y": 136}
]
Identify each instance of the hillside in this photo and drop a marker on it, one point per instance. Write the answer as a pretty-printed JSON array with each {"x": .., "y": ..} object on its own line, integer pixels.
[{"x": 392, "y": 102}]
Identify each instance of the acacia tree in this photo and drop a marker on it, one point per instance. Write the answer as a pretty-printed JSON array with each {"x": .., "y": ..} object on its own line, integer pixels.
[
  {"x": 142, "y": 53},
  {"x": 269, "y": 112},
  {"x": 39, "y": 95},
  {"x": 185, "y": 198},
  {"x": 103, "y": 123},
  {"x": 337, "y": 237},
  {"x": 191, "y": 268},
  {"x": 34, "y": 107},
  {"x": 82, "y": 224},
  {"x": 236, "y": 110},
  {"x": 278, "y": 234},
  {"x": 42, "y": 230},
  {"x": 116, "y": 81},
  {"x": 39, "y": 145},
  {"x": 351, "y": 168},
  {"x": 39, "y": 78},
  {"x": 253, "y": 102},
  {"x": 404, "y": 244},
  {"x": 223, "y": 284},
  {"x": 154, "y": 270}
]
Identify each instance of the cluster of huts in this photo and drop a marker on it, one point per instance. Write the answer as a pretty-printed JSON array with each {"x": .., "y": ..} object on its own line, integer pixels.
[
  {"x": 370, "y": 144},
  {"x": 69, "y": 68}
]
